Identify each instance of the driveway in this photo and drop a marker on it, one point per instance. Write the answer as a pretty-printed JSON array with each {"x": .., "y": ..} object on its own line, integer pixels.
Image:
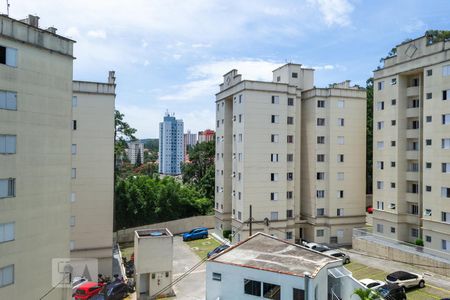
[{"x": 191, "y": 287}]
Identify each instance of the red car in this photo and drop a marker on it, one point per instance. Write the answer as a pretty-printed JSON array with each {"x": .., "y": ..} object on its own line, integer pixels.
[{"x": 88, "y": 290}]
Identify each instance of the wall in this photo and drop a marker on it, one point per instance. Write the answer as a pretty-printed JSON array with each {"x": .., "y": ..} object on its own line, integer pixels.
[{"x": 175, "y": 226}]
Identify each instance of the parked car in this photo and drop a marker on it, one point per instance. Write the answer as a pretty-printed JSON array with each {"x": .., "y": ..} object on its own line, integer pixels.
[
  {"x": 112, "y": 291},
  {"x": 87, "y": 290},
  {"x": 217, "y": 250},
  {"x": 372, "y": 284},
  {"x": 338, "y": 254},
  {"x": 406, "y": 279},
  {"x": 195, "y": 234},
  {"x": 316, "y": 247},
  {"x": 76, "y": 282},
  {"x": 392, "y": 292}
]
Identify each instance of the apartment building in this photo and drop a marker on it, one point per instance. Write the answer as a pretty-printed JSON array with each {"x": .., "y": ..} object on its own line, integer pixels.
[
  {"x": 135, "y": 152},
  {"x": 171, "y": 145},
  {"x": 35, "y": 163},
  {"x": 190, "y": 140},
  {"x": 206, "y": 135},
  {"x": 266, "y": 157},
  {"x": 92, "y": 149},
  {"x": 411, "y": 144}
]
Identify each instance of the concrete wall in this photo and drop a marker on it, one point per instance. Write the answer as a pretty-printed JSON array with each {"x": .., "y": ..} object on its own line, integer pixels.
[
  {"x": 175, "y": 226},
  {"x": 391, "y": 253}
]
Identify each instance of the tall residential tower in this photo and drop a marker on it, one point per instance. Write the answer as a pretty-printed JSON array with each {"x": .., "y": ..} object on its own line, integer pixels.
[{"x": 171, "y": 145}]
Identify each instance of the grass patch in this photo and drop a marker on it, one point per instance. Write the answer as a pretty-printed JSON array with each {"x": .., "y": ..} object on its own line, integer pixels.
[{"x": 203, "y": 246}]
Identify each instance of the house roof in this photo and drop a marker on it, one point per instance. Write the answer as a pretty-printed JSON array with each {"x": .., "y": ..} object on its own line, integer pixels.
[{"x": 264, "y": 252}]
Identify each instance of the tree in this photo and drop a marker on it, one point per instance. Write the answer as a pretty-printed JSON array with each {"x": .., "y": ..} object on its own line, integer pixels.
[
  {"x": 366, "y": 294},
  {"x": 138, "y": 158},
  {"x": 369, "y": 135},
  {"x": 122, "y": 133}
]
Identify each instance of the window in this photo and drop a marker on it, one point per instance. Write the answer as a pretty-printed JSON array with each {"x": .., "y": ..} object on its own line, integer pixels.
[
  {"x": 240, "y": 138},
  {"x": 218, "y": 123},
  {"x": 429, "y": 119},
  {"x": 393, "y": 102},
  {"x": 6, "y": 275},
  {"x": 393, "y": 185},
  {"x": 8, "y": 144},
  {"x": 239, "y": 195},
  {"x": 240, "y": 98},
  {"x": 274, "y": 138},
  {"x": 74, "y": 173},
  {"x": 290, "y": 102},
  {"x": 272, "y": 291},
  {"x": 240, "y": 118},
  {"x": 429, "y": 96},
  {"x": 275, "y": 99},
  {"x": 428, "y": 239},
  {"x": 394, "y": 81},
  {"x": 289, "y": 235},
  {"x": 216, "y": 276},
  {"x": 380, "y": 105},
  {"x": 380, "y": 185},
  {"x": 320, "y": 232},
  {"x": 340, "y": 158},
  {"x": 7, "y": 188},
  {"x": 273, "y": 176},
  {"x": 444, "y": 94},
  {"x": 445, "y": 244},
  {"x": 74, "y": 149},
  {"x": 414, "y": 232},
  {"x": 414, "y": 209},
  {"x": 320, "y": 175},
  {"x": 380, "y": 228},
  {"x": 340, "y": 176},
  {"x": 290, "y": 157},
  {"x": 289, "y": 194},
  {"x": 341, "y": 103},
  {"x": 321, "y": 140},
  {"x": 445, "y": 143},
  {"x": 340, "y": 194},
  {"x": 380, "y": 85},
  {"x": 446, "y": 119},
  {"x": 274, "y": 216},
  {"x": 73, "y": 197},
  {"x": 320, "y": 194},
  {"x": 278, "y": 78},
  {"x": 320, "y": 103},
  {"x": 290, "y": 120},
  {"x": 239, "y": 215},
  {"x": 8, "y": 100},
  {"x": 75, "y": 102},
  {"x": 340, "y": 212},
  {"x": 414, "y": 103},
  {"x": 289, "y": 213},
  {"x": 393, "y": 143},
  {"x": 393, "y": 122},
  {"x": 320, "y": 211},
  {"x": 320, "y": 122},
  {"x": 294, "y": 75},
  {"x": 445, "y": 192},
  {"x": 341, "y": 122},
  {"x": 430, "y": 72},
  {"x": 290, "y": 139},
  {"x": 380, "y": 205},
  {"x": 274, "y": 157},
  {"x": 8, "y": 56},
  {"x": 274, "y": 196},
  {"x": 428, "y": 142},
  {"x": 428, "y": 165},
  {"x": 72, "y": 221},
  {"x": 320, "y": 157},
  {"x": 380, "y": 145},
  {"x": 392, "y": 229},
  {"x": 380, "y": 165},
  {"x": 392, "y": 164},
  {"x": 290, "y": 176},
  {"x": 445, "y": 217},
  {"x": 7, "y": 232},
  {"x": 445, "y": 167},
  {"x": 275, "y": 119},
  {"x": 340, "y": 140},
  {"x": 239, "y": 156},
  {"x": 74, "y": 124},
  {"x": 380, "y": 125},
  {"x": 446, "y": 70},
  {"x": 252, "y": 287}
]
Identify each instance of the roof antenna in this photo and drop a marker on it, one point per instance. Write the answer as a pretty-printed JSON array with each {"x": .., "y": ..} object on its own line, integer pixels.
[{"x": 7, "y": 8}]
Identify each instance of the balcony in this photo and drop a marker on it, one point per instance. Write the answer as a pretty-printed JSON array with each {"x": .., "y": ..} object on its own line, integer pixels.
[
  {"x": 412, "y": 91},
  {"x": 412, "y": 112},
  {"x": 412, "y": 176},
  {"x": 412, "y": 133},
  {"x": 412, "y": 197},
  {"x": 409, "y": 218},
  {"x": 412, "y": 154}
]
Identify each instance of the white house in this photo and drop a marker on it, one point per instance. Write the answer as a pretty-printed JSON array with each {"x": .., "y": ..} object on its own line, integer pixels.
[{"x": 266, "y": 267}]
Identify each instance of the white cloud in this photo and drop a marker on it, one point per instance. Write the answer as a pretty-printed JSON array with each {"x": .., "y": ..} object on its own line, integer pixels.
[
  {"x": 146, "y": 62},
  {"x": 334, "y": 12},
  {"x": 98, "y": 34},
  {"x": 144, "y": 44}
]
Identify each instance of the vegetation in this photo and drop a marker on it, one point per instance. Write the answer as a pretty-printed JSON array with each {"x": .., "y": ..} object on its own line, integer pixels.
[
  {"x": 122, "y": 134},
  {"x": 369, "y": 135},
  {"x": 435, "y": 36},
  {"x": 419, "y": 242},
  {"x": 203, "y": 246},
  {"x": 366, "y": 294}
]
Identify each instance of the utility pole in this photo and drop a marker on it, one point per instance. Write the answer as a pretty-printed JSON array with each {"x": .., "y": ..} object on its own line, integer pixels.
[{"x": 251, "y": 219}]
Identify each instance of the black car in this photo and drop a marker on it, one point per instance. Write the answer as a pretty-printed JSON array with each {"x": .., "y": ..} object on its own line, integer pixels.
[
  {"x": 392, "y": 292},
  {"x": 112, "y": 291},
  {"x": 217, "y": 250}
]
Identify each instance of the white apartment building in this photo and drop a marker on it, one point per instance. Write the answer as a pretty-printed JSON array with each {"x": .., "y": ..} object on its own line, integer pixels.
[
  {"x": 135, "y": 150},
  {"x": 171, "y": 145},
  {"x": 36, "y": 68},
  {"x": 266, "y": 157},
  {"x": 92, "y": 149},
  {"x": 411, "y": 144}
]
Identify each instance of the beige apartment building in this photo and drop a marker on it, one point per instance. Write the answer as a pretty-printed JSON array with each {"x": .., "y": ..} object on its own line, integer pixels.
[
  {"x": 411, "y": 144},
  {"x": 35, "y": 161},
  {"x": 266, "y": 157},
  {"x": 92, "y": 149}
]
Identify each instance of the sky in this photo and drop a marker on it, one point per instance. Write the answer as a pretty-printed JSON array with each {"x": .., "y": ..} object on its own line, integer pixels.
[{"x": 171, "y": 54}]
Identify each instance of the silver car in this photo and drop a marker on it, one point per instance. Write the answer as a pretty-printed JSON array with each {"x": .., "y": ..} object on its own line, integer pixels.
[
  {"x": 406, "y": 279},
  {"x": 338, "y": 254}
]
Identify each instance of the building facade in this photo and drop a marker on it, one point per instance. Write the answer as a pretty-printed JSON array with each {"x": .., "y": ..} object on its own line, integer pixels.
[
  {"x": 91, "y": 220},
  {"x": 411, "y": 144},
  {"x": 266, "y": 155},
  {"x": 206, "y": 135},
  {"x": 190, "y": 140},
  {"x": 171, "y": 145},
  {"x": 36, "y": 67},
  {"x": 135, "y": 152}
]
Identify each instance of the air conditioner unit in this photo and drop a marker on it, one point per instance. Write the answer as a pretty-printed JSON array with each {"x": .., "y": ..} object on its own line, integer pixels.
[
  {"x": 428, "y": 212},
  {"x": 392, "y": 206}
]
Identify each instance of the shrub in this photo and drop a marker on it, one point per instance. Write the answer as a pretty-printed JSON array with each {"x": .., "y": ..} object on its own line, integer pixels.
[
  {"x": 419, "y": 242},
  {"x": 226, "y": 234}
]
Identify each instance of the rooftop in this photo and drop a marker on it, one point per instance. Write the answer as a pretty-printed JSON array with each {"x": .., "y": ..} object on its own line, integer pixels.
[
  {"x": 264, "y": 252},
  {"x": 153, "y": 233}
]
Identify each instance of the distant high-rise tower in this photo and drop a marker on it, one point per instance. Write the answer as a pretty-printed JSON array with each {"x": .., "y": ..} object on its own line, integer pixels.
[{"x": 171, "y": 149}]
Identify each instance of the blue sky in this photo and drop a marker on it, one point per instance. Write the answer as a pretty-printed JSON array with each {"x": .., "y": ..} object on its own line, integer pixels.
[{"x": 171, "y": 54}]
